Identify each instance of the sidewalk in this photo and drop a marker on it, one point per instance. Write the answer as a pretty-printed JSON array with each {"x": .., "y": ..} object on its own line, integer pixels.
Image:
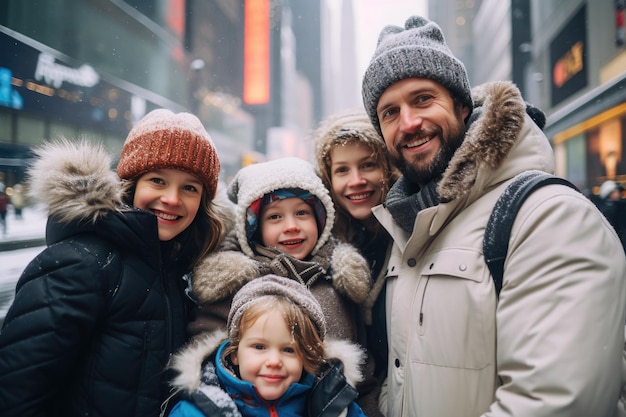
[{"x": 26, "y": 232}]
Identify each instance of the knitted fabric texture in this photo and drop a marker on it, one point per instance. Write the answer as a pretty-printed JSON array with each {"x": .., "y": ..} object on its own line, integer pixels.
[
  {"x": 275, "y": 285},
  {"x": 162, "y": 139},
  {"x": 347, "y": 126},
  {"x": 403, "y": 203},
  {"x": 255, "y": 181},
  {"x": 417, "y": 51}
]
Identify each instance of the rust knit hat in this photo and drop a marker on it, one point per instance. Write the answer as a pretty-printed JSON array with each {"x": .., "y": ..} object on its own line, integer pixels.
[{"x": 162, "y": 139}]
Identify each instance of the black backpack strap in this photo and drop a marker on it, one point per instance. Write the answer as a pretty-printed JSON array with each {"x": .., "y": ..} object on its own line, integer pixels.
[{"x": 498, "y": 230}]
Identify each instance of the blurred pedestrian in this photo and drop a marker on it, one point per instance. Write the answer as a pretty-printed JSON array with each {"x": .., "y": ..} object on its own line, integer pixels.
[
  {"x": 18, "y": 200},
  {"x": 552, "y": 343},
  {"x": 4, "y": 203},
  {"x": 353, "y": 163},
  {"x": 98, "y": 313},
  {"x": 274, "y": 354},
  {"x": 613, "y": 206}
]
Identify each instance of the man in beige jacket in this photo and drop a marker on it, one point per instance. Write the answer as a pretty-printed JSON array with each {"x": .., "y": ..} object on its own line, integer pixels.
[{"x": 552, "y": 344}]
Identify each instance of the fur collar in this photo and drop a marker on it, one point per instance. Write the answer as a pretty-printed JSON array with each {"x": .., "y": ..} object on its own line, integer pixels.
[
  {"x": 494, "y": 127},
  {"x": 74, "y": 181},
  {"x": 220, "y": 274},
  {"x": 188, "y": 361}
]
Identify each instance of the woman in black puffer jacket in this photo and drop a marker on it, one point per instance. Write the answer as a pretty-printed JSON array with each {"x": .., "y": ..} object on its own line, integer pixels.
[{"x": 97, "y": 314}]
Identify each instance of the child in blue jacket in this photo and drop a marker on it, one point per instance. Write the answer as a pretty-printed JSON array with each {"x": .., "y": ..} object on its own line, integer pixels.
[{"x": 274, "y": 362}]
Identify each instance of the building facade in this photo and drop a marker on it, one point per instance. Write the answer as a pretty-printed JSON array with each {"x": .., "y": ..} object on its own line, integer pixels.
[
  {"x": 568, "y": 57},
  {"x": 579, "y": 73},
  {"x": 249, "y": 69},
  {"x": 85, "y": 70}
]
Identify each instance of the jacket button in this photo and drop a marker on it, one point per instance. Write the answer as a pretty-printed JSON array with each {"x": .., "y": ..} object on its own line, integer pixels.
[
  {"x": 411, "y": 262},
  {"x": 462, "y": 267},
  {"x": 397, "y": 363}
]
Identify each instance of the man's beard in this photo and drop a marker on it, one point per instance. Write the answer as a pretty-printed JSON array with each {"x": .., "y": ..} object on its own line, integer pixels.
[{"x": 421, "y": 175}]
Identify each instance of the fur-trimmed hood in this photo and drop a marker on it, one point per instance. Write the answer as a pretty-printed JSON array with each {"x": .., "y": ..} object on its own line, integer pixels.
[
  {"x": 499, "y": 118},
  {"x": 254, "y": 181},
  {"x": 220, "y": 274},
  {"x": 74, "y": 181},
  {"x": 188, "y": 361}
]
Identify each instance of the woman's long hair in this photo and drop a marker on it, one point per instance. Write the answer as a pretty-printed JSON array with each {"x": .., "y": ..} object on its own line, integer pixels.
[
  {"x": 203, "y": 235},
  {"x": 346, "y": 128}
]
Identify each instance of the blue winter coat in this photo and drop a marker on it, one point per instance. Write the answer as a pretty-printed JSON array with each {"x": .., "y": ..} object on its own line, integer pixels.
[{"x": 294, "y": 402}]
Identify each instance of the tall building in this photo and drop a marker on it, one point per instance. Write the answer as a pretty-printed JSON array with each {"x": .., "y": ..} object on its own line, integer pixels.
[
  {"x": 249, "y": 69},
  {"x": 579, "y": 76},
  {"x": 85, "y": 69},
  {"x": 567, "y": 58},
  {"x": 341, "y": 90}
]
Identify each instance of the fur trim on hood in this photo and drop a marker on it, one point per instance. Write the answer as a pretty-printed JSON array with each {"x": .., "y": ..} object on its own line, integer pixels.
[
  {"x": 188, "y": 361},
  {"x": 74, "y": 181},
  {"x": 499, "y": 113},
  {"x": 220, "y": 274},
  {"x": 254, "y": 181}
]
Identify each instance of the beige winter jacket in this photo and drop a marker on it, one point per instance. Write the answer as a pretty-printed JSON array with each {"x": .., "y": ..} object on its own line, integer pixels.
[{"x": 552, "y": 345}]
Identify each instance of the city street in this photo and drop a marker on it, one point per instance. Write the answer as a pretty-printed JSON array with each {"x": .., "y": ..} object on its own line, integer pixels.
[{"x": 13, "y": 262}]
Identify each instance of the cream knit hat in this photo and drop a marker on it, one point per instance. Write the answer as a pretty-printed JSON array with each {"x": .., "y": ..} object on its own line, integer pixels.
[{"x": 254, "y": 181}]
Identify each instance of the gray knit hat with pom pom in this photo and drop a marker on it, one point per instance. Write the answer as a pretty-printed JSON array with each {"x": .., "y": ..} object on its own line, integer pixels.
[{"x": 417, "y": 51}]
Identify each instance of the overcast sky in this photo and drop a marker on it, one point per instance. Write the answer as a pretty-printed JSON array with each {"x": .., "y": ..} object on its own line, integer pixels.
[{"x": 373, "y": 15}]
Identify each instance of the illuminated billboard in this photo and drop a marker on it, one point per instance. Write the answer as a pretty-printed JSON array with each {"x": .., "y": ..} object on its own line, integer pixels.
[{"x": 256, "y": 50}]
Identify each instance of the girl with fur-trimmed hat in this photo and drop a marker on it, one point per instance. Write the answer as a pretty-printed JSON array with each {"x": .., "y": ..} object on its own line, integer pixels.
[
  {"x": 97, "y": 314},
  {"x": 273, "y": 355},
  {"x": 353, "y": 162}
]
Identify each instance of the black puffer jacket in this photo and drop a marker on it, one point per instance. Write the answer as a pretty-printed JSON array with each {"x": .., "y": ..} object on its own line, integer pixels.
[{"x": 98, "y": 312}]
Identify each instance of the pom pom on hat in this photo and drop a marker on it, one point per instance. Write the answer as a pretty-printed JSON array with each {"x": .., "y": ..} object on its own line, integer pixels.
[
  {"x": 417, "y": 51},
  {"x": 275, "y": 285},
  {"x": 163, "y": 139}
]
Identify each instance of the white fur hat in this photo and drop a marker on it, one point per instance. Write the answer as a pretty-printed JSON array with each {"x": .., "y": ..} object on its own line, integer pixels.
[{"x": 254, "y": 181}]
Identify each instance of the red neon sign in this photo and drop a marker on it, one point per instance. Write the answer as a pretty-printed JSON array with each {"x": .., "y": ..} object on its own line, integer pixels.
[{"x": 256, "y": 52}]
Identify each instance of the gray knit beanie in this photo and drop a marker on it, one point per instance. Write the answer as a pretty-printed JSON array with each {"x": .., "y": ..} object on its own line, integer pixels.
[
  {"x": 275, "y": 285},
  {"x": 417, "y": 51}
]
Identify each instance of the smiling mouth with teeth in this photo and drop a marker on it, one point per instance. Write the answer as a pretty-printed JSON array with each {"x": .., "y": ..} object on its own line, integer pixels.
[
  {"x": 166, "y": 216},
  {"x": 291, "y": 242},
  {"x": 360, "y": 196},
  {"x": 413, "y": 144}
]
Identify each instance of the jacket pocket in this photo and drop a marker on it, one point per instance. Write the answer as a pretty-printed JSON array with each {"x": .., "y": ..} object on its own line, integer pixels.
[{"x": 456, "y": 322}]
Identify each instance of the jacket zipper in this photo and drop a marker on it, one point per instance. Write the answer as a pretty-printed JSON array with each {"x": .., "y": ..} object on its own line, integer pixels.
[
  {"x": 168, "y": 314},
  {"x": 421, "y": 316}
]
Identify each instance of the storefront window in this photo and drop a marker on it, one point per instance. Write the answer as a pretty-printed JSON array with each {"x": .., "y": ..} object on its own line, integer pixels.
[
  {"x": 62, "y": 130},
  {"x": 6, "y": 127},
  {"x": 30, "y": 130}
]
